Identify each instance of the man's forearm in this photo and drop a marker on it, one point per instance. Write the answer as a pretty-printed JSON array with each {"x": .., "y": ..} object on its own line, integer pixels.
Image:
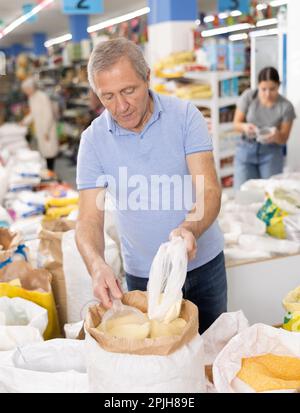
[
  {"x": 90, "y": 243},
  {"x": 212, "y": 204}
]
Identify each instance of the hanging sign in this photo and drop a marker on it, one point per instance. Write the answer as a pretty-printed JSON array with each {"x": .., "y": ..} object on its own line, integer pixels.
[
  {"x": 83, "y": 6},
  {"x": 230, "y": 5}
]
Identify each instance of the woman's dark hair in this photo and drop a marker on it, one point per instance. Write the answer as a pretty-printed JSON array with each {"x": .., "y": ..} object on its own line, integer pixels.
[{"x": 267, "y": 74}]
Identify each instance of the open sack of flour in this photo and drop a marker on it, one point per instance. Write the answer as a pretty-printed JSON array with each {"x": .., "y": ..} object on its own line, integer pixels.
[
  {"x": 261, "y": 359},
  {"x": 127, "y": 350},
  {"x": 21, "y": 322}
]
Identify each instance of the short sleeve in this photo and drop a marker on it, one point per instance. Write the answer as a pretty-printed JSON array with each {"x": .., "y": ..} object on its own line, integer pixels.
[
  {"x": 197, "y": 138},
  {"x": 289, "y": 113},
  {"x": 90, "y": 173},
  {"x": 244, "y": 101}
]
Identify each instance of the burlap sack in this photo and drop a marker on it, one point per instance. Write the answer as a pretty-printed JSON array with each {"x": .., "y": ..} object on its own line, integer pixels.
[
  {"x": 160, "y": 346},
  {"x": 50, "y": 247},
  {"x": 9, "y": 242}
]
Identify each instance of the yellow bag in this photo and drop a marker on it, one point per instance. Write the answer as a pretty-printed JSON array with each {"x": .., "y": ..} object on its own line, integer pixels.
[
  {"x": 19, "y": 279},
  {"x": 45, "y": 300}
]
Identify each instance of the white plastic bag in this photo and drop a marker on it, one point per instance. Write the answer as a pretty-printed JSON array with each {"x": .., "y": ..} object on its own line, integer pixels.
[
  {"x": 14, "y": 380},
  {"x": 51, "y": 356},
  {"x": 256, "y": 340},
  {"x": 242, "y": 223},
  {"x": 221, "y": 332},
  {"x": 268, "y": 244},
  {"x": 167, "y": 276},
  {"x": 285, "y": 194},
  {"x": 78, "y": 281},
  {"x": 179, "y": 372},
  {"x": 23, "y": 322}
]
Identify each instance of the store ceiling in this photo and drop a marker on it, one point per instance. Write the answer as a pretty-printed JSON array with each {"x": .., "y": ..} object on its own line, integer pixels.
[{"x": 54, "y": 23}]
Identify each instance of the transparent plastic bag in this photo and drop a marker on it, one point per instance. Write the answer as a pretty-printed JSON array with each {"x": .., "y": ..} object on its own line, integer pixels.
[
  {"x": 124, "y": 321},
  {"x": 166, "y": 279}
]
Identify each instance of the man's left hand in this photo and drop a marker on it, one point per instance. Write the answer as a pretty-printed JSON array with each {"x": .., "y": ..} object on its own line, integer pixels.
[{"x": 190, "y": 241}]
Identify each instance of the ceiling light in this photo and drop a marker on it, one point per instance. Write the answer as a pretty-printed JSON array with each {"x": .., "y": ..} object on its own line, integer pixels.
[
  {"x": 227, "y": 29},
  {"x": 117, "y": 20},
  {"x": 236, "y": 13},
  {"x": 267, "y": 22},
  {"x": 12, "y": 26},
  {"x": 236, "y": 37},
  {"x": 209, "y": 19},
  {"x": 277, "y": 3},
  {"x": 57, "y": 40},
  {"x": 267, "y": 32}
]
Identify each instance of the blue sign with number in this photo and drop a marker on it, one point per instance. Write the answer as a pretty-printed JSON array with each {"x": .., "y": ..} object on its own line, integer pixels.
[
  {"x": 83, "y": 6},
  {"x": 230, "y": 5}
]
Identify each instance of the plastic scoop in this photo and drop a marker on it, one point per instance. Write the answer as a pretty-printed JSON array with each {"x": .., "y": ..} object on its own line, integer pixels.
[{"x": 121, "y": 319}]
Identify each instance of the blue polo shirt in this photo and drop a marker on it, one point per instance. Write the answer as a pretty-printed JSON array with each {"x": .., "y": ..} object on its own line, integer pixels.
[{"x": 134, "y": 167}]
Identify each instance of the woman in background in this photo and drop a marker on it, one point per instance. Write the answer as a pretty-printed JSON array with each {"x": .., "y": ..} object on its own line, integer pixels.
[
  {"x": 260, "y": 109},
  {"x": 41, "y": 114}
]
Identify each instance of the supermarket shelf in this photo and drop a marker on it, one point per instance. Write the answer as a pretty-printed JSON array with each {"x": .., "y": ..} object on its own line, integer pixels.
[
  {"x": 227, "y": 101},
  {"x": 228, "y": 153},
  {"x": 226, "y": 126},
  {"x": 78, "y": 102},
  {"x": 209, "y": 75},
  {"x": 228, "y": 171},
  {"x": 207, "y": 103}
]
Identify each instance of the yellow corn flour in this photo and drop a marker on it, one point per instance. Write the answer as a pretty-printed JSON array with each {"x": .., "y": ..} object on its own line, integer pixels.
[{"x": 271, "y": 372}]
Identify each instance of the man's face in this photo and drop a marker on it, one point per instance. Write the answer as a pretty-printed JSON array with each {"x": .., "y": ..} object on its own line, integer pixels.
[{"x": 123, "y": 93}]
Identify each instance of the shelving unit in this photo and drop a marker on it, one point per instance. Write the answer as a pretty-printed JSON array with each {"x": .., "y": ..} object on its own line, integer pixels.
[{"x": 214, "y": 105}]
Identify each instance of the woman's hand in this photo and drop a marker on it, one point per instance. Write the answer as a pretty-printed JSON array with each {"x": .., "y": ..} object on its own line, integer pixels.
[{"x": 249, "y": 130}]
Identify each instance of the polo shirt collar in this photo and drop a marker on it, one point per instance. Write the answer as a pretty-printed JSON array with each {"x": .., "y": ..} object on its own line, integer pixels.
[{"x": 113, "y": 127}]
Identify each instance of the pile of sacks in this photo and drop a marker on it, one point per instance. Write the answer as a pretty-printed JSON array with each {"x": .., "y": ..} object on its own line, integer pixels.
[{"x": 263, "y": 220}]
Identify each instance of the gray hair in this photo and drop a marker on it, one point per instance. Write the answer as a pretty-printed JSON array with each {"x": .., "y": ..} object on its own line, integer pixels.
[{"x": 107, "y": 53}]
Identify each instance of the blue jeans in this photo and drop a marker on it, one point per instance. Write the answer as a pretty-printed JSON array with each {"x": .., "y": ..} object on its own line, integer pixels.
[
  {"x": 256, "y": 161},
  {"x": 205, "y": 286}
]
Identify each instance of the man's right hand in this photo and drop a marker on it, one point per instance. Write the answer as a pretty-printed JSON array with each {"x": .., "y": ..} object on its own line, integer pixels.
[{"x": 105, "y": 285}]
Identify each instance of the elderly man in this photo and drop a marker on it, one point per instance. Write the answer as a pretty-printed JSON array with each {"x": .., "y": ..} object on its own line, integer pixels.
[{"x": 140, "y": 136}]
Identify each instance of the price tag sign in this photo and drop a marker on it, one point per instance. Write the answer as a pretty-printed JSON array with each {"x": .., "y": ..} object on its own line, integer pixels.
[
  {"x": 230, "y": 5},
  {"x": 83, "y": 6}
]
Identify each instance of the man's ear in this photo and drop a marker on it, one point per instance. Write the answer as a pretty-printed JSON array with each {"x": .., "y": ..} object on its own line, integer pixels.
[{"x": 148, "y": 75}]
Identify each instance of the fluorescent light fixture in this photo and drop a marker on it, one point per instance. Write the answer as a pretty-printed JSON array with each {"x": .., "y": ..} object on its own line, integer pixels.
[
  {"x": 223, "y": 15},
  {"x": 209, "y": 19},
  {"x": 236, "y": 37},
  {"x": 12, "y": 26},
  {"x": 267, "y": 32},
  {"x": 57, "y": 40},
  {"x": 117, "y": 20},
  {"x": 261, "y": 6},
  {"x": 227, "y": 29},
  {"x": 267, "y": 22},
  {"x": 278, "y": 3},
  {"x": 236, "y": 13}
]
